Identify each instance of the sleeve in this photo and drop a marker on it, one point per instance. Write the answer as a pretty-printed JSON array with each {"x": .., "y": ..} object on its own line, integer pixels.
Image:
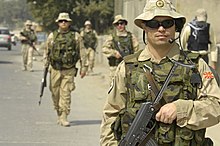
[
  {"x": 83, "y": 67},
  {"x": 213, "y": 47},
  {"x": 135, "y": 43},
  {"x": 96, "y": 37},
  {"x": 107, "y": 48},
  {"x": 114, "y": 103},
  {"x": 49, "y": 44},
  {"x": 205, "y": 110},
  {"x": 185, "y": 36}
]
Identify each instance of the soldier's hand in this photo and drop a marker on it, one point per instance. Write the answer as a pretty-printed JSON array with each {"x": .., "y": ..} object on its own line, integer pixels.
[
  {"x": 117, "y": 55},
  {"x": 82, "y": 74},
  {"x": 167, "y": 113}
]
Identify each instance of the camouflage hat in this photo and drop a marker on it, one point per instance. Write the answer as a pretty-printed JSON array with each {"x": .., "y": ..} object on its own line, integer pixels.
[
  {"x": 28, "y": 22},
  {"x": 155, "y": 8},
  {"x": 201, "y": 15},
  {"x": 119, "y": 18},
  {"x": 87, "y": 23},
  {"x": 63, "y": 16}
]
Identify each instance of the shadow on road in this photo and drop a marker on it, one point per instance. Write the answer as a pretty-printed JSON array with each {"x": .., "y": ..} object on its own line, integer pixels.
[
  {"x": 85, "y": 122},
  {"x": 5, "y": 62}
]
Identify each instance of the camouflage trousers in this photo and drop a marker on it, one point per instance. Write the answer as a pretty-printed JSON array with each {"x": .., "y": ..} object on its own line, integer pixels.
[
  {"x": 27, "y": 56},
  {"x": 61, "y": 85},
  {"x": 90, "y": 58}
]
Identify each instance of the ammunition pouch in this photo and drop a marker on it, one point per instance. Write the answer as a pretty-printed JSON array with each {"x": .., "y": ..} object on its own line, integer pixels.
[
  {"x": 123, "y": 122},
  {"x": 112, "y": 61}
]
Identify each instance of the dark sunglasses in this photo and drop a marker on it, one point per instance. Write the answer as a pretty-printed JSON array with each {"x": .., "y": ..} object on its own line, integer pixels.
[
  {"x": 156, "y": 24},
  {"x": 120, "y": 23},
  {"x": 61, "y": 21}
]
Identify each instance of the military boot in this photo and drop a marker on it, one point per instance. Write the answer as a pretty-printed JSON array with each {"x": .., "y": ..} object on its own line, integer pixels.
[
  {"x": 59, "y": 115},
  {"x": 63, "y": 120}
]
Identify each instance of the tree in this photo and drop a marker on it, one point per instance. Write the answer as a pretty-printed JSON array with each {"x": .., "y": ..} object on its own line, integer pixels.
[{"x": 99, "y": 12}]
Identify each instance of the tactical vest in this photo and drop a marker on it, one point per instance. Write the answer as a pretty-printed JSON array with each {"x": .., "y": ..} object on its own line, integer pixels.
[
  {"x": 30, "y": 35},
  {"x": 64, "y": 53},
  {"x": 124, "y": 45},
  {"x": 89, "y": 39},
  {"x": 179, "y": 87},
  {"x": 199, "y": 39}
]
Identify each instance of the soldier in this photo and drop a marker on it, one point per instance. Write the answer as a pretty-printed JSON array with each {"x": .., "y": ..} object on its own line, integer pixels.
[
  {"x": 90, "y": 42},
  {"x": 28, "y": 38},
  {"x": 198, "y": 36},
  {"x": 190, "y": 102},
  {"x": 119, "y": 44},
  {"x": 63, "y": 52}
]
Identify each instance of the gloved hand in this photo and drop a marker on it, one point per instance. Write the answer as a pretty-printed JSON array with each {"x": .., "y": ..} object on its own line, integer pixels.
[{"x": 82, "y": 74}]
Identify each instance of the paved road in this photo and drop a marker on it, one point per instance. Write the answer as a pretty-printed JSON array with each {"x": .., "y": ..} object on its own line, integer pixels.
[{"x": 24, "y": 123}]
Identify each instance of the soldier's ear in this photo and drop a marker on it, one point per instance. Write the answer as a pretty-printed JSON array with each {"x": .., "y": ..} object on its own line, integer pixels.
[{"x": 179, "y": 24}]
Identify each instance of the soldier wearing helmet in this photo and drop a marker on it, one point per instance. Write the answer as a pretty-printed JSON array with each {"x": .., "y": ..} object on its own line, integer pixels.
[
  {"x": 64, "y": 50},
  {"x": 189, "y": 103},
  {"x": 199, "y": 37},
  {"x": 27, "y": 37},
  {"x": 119, "y": 44},
  {"x": 90, "y": 41}
]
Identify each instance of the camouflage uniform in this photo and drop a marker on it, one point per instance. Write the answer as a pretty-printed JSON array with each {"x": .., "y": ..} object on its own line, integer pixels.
[
  {"x": 63, "y": 67},
  {"x": 90, "y": 41},
  {"x": 109, "y": 48},
  {"x": 192, "y": 114},
  {"x": 27, "y": 50}
]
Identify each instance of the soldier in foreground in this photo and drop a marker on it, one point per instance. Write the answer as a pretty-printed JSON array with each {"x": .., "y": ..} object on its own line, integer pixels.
[
  {"x": 64, "y": 49},
  {"x": 119, "y": 44},
  {"x": 28, "y": 39},
  {"x": 90, "y": 41},
  {"x": 189, "y": 103}
]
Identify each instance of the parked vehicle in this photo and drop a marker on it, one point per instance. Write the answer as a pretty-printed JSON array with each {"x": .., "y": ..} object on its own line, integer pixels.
[{"x": 5, "y": 38}]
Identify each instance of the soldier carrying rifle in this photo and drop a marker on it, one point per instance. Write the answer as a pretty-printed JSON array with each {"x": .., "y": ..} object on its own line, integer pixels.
[
  {"x": 28, "y": 39},
  {"x": 179, "y": 112}
]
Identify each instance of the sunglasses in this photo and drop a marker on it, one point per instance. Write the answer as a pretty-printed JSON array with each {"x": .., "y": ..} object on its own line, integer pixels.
[
  {"x": 61, "y": 21},
  {"x": 120, "y": 23},
  {"x": 156, "y": 24}
]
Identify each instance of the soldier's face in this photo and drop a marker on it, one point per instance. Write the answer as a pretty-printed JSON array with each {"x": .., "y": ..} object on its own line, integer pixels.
[
  {"x": 120, "y": 26},
  {"x": 63, "y": 25},
  {"x": 159, "y": 30}
]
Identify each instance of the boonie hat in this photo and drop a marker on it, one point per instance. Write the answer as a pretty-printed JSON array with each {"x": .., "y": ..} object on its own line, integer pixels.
[
  {"x": 155, "y": 8},
  {"x": 201, "y": 15},
  {"x": 87, "y": 23},
  {"x": 119, "y": 18},
  {"x": 28, "y": 22},
  {"x": 63, "y": 16}
]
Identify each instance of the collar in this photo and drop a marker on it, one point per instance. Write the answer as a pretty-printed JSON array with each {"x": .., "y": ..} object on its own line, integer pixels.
[{"x": 174, "y": 53}]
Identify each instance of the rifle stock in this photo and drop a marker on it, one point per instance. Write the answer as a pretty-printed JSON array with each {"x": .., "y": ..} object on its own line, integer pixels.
[
  {"x": 139, "y": 133},
  {"x": 31, "y": 43},
  {"x": 43, "y": 83}
]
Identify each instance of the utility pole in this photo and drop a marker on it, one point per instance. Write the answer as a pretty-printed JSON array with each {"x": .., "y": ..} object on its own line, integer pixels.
[{"x": 118, "y": 7}]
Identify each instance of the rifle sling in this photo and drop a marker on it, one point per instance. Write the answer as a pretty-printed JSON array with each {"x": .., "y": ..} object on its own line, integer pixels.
[{"x": 154, "y": 91}]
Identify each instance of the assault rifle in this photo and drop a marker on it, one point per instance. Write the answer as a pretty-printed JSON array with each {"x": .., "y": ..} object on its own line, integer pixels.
[
  {"x": 43, "y": 83},
  {"x": 139, "y": 133},
  {"x": 28, "y": 41},
  {"x": 123, "y": 52}
]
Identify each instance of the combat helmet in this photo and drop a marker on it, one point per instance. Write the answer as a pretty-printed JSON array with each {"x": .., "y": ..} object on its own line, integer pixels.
[
  {"x": 63, "y": 16},
  {"x": 28, "y": 23},
  {"x": 155, "y": 8},
  {"x": 119, "y": 18},
  {"x": 201, "y": 15}
]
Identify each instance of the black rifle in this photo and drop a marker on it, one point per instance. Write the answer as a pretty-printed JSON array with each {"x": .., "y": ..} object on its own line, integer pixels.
[
  {"x": 139, "y": 133},
  {"x": 28, "y": 41},
  {"x": 43, "y": 83},
  {"x": 123, "y": 52}
]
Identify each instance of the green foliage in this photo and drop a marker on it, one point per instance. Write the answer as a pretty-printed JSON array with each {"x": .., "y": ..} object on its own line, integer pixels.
[
  {"x": 13, "y": 13},
  {"x": 99, "y": 12}
]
